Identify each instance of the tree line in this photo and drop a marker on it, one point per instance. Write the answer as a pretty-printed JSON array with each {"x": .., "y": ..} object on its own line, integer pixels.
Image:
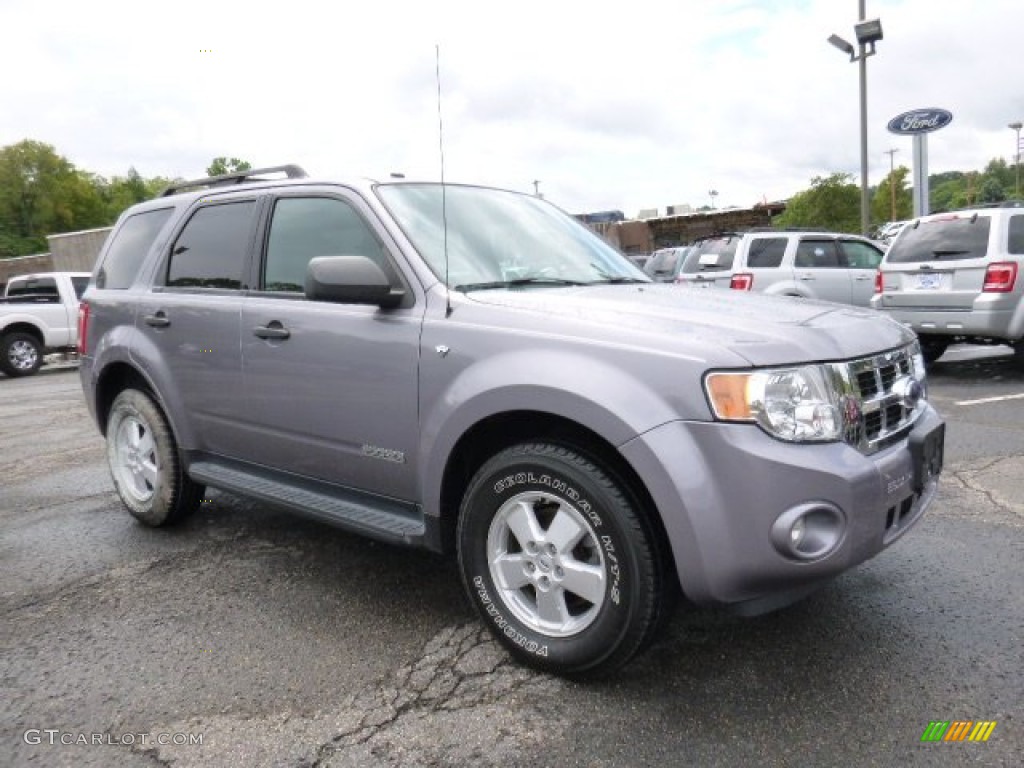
[
  {"x": 42, "y": 193},
  {"x": 833, "y": 202}
]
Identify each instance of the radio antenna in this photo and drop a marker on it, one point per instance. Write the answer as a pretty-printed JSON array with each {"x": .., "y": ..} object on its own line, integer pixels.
[{"x": 444, "y": 206}]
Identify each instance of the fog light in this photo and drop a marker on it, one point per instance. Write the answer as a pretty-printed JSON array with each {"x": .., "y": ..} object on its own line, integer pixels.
[{"x": 809, "y": 531}]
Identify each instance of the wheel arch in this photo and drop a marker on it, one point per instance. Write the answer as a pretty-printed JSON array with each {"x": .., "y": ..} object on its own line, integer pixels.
[
  {"x": 114, "y": 379},
  {"x": 23, "y": 327},
  {"x": 496, "y": 432}
]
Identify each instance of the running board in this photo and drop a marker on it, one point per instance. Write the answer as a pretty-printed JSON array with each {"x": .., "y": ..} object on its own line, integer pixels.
[{"x": 374, "y": 516}]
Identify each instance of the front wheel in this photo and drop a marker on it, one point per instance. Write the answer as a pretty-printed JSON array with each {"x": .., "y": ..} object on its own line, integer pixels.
[
  {"x": 144, "y": 462},
  {"x": 21, "y": 354},
  {"x": 557, "y": 560}
]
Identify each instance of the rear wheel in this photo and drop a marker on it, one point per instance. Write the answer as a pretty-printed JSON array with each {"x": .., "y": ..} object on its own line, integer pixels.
[
  {"x": 21, "y": 354},
  {"x": 559, "y": 563},
  {"x": 145, "y": 464}
]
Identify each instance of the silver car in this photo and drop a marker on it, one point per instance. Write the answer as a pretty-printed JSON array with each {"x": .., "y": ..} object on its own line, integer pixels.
[
  {"x": 955, "y": 278},
  {"x": 810, "y": 265}
]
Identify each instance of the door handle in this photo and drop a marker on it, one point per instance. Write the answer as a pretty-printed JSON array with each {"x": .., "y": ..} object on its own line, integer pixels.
[
  {"x": 862, "y": 278},
  {"x": 158, "y": 319},
  {"x": 272, "y": 330},
  {"x": 806, "y": 277}
]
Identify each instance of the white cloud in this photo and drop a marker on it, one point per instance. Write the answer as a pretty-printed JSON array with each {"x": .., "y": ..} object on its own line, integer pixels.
[{"x": 609, "y": 105}]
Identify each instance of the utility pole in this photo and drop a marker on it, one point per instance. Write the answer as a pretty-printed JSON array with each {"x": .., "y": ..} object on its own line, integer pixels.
[
  {"x": 536, "y": 188},
  {"x": 1016, "y": 127},
  {"x": 892, "y": 186}
]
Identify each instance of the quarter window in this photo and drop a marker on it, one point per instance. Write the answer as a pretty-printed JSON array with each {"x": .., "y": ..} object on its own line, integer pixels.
[
  {"x": 211, "y": 250},
  {"x": 860, "y": 255},
  {"x": 306, "y": 227},
  {"x": 766, "y": 252},
  {"x": 129, "y": 247}
]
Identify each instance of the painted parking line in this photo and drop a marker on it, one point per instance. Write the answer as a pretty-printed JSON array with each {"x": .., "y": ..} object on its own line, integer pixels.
[{"x": 984, "y": 400}]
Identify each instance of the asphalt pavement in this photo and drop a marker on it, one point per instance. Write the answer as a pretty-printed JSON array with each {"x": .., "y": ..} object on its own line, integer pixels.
[{"x": 276, "y": 641}]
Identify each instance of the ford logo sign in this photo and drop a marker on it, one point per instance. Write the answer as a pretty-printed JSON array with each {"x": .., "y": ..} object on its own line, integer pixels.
[{"x": 920, "y": 121}]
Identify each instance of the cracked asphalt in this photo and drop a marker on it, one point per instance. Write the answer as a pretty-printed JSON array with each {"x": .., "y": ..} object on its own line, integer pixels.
[{"x": 283, "y": 642}]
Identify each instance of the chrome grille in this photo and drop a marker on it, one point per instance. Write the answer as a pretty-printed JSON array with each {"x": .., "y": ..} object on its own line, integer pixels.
[{"x": 879, "y": 415}]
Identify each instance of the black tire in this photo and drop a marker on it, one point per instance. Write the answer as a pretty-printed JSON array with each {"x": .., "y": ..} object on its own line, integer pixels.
[
  {"x": 560, "y": 496},
  {"x": 932, "y": 348},
  {"x": 21, "y": 354},
  {"x": 145, "y": 463}
]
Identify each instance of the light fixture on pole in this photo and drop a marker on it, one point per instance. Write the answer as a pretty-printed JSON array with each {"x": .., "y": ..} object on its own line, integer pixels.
[
  {"x": 868, "y": 33},
  {"x": 712, "y": 193},
  {"x": 1016, "y": 127}
]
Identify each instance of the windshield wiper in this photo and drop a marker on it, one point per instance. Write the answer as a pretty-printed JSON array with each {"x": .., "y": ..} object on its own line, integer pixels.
[
  {"x": 617, "y": 279},
  {"x": 519, "y": 281}
]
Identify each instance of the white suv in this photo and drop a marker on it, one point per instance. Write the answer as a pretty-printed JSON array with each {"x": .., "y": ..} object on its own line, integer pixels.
[
  {"x": 806, "y": 264},
  {"x": 956, "y": 277}
]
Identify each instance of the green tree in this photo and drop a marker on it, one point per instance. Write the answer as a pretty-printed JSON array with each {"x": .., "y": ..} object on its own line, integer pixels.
[
  {"x": 832, "y": 202},
  {"x": 881, "y": 203},
  {"x": 41, "y": 193},
  {"x": 221, "y": 165},
  {"x": 991, "y": 191}
]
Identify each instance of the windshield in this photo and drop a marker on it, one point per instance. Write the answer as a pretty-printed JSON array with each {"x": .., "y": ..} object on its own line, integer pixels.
[
  {"x": 946, "y": 238},
  {"x": 499, "y": 239}
]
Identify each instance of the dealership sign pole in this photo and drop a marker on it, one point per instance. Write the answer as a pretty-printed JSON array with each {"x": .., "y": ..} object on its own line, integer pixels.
[{"x": 919, "y": 123}]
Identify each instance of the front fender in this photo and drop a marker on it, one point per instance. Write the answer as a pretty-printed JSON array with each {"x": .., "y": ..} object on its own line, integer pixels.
[{"x": 613, "y": 401}]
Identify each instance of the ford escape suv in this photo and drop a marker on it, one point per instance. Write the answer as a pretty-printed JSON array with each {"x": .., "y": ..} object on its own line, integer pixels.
[
  {"x": 471, "y": 371},
  {"x": 958, "y": 277}
]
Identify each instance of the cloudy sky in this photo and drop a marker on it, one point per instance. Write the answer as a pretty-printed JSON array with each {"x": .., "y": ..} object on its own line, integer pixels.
[{"x": 622, "y": 105}]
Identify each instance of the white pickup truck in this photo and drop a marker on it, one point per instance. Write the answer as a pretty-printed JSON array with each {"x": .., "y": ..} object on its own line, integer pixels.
[{"x": 38, "y": 315}]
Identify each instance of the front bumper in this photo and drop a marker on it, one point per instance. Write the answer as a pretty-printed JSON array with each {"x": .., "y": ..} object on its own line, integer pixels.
[{"x": 721, "y": 487}]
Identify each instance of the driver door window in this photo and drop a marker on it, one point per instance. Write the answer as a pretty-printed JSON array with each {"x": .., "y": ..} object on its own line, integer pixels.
[{"x": 303, "y": 228}]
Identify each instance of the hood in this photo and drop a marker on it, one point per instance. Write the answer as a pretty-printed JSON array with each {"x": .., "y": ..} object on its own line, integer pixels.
[{"x": 760, "y": 329}]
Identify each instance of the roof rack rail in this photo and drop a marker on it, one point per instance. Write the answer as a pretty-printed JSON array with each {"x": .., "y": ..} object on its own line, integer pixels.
[{"x": 239, "y": 177}]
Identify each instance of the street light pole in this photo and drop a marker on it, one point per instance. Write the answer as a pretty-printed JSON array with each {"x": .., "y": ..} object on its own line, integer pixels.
[
  {"x": 868, "y": 33},
  {"x": 863, "y": 62},
  {"x": 892, "y": 187},
  {"x": 1016, "y": 127}
]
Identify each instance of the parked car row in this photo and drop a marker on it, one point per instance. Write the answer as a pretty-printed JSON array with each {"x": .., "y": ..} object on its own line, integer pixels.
[
  {"x": 804, "y": 264},
  {"x": 952, "y": 277}
]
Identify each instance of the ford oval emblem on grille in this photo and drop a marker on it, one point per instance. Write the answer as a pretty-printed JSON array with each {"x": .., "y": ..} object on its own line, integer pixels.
[{"x": 908, "y": 390}]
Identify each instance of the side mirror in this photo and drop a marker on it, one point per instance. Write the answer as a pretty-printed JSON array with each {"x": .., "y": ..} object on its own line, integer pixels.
[{"x": 350, "y": 280}]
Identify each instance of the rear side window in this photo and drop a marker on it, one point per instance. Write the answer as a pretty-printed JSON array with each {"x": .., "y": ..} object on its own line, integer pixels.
[
  {"x": 41, "y": 287},
  {"x": 1015, "y": 244},
  {"x": 212, "y": 249},
  {"x": 816, "y": 254},
  {"x": 306, "y": 227},
  {"x": 948, "y": 239},
  {"x": 129, "y": 247},
  {"x": 766, "y": 252}
]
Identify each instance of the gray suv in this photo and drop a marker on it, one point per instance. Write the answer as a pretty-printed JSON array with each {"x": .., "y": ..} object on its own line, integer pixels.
[
  {"x": 958, "y": 277},
  {"x": 470, "y": 370}
]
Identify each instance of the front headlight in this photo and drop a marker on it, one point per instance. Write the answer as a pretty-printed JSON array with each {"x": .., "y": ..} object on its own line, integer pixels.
[{"x": 793, "y": 404}]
